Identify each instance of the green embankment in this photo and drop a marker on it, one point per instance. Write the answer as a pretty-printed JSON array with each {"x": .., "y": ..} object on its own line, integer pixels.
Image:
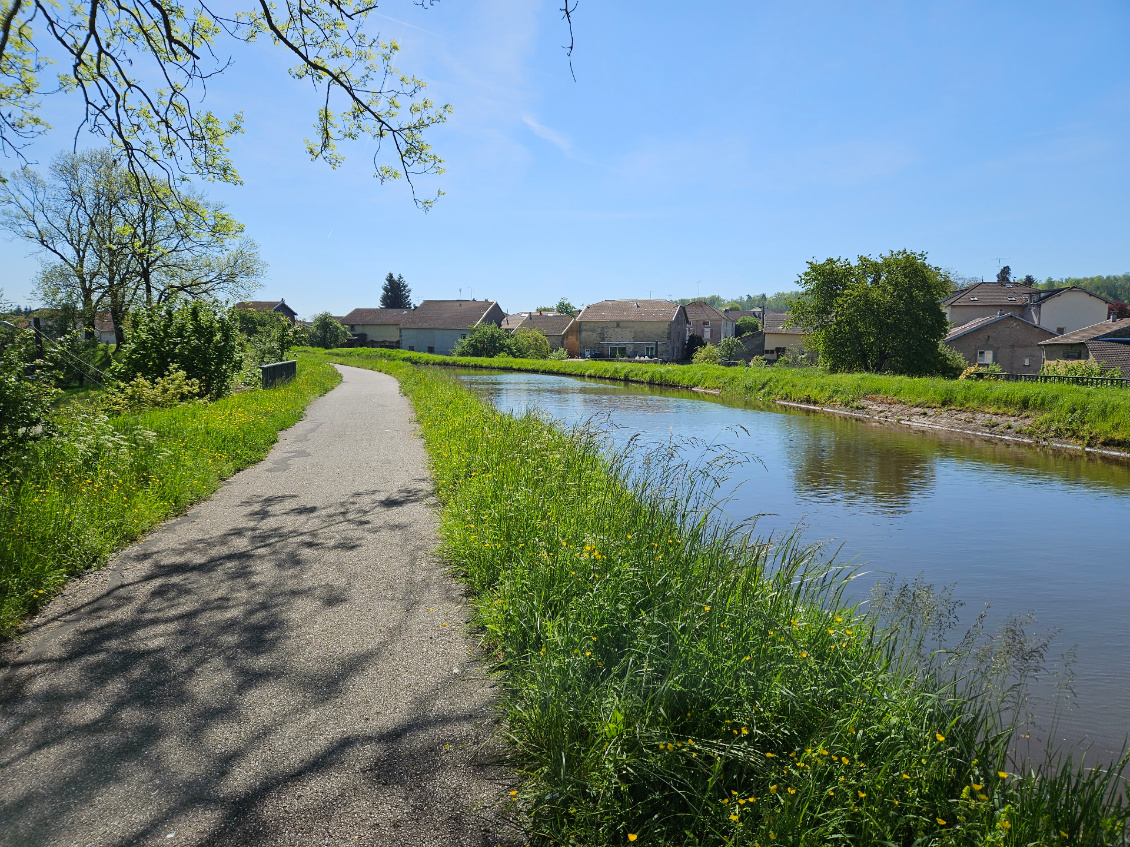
[
  {"x": 1090, "y": 416},
  {"x": 666, "y": 681},
  {"x": 72, "y": 501}
]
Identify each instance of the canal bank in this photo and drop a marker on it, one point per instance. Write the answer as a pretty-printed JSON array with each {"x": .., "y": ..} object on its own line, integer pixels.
[
  {"x": 666, "y": 679},
  {"x": 1057, "y": 415}
]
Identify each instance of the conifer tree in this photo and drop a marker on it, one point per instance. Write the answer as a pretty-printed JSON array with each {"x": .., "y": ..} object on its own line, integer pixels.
[{"x": 396, "y": 294}]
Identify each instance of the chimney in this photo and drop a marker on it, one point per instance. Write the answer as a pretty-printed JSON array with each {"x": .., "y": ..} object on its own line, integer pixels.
[
  {"x": 637, "y": 304},
  {"x": 1000, "y": 313}
]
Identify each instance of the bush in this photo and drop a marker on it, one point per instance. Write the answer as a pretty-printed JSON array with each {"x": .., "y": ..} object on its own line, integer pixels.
[
  {"x": 326, "y": 332},
  {"x": 529, "y": 343},
  {"x": 193, "y": 337},
  {"x": 140, "y": 393},
  {"x": 693, "y": 343},
  {"x": 951, "y": 364},
  {"x": 484, "y": 341},
  {"x": 26, "y": 390},
  {"x": 1079, "y": 367},
  {"x": 706, "y": 355},
  {"x": 747, "y": 326},
  {"x": 268, "y": 336},
  {"x": 731, "y": 349},
  {"x": 558, "y": 355}
]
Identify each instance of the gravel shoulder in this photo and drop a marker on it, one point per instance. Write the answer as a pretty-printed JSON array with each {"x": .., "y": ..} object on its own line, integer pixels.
[{"x": 287, "y": 663}]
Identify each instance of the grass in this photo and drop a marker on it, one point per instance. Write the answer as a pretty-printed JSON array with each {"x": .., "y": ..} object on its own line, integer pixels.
[
  {"x": 1094, "y": 417},
  {"x": 670, "y": 680},
  {"x": 70, "y": 502}
]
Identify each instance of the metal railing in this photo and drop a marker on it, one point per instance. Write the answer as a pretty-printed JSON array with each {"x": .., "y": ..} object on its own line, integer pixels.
[
  {"x": 277, "y": 373},
  {"x": 1077, "y": 380}
]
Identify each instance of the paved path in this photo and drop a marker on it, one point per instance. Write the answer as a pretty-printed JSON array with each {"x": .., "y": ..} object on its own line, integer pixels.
[{"x": 285, "y": 664}]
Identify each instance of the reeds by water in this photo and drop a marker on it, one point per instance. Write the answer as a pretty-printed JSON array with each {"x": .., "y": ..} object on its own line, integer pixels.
[{"x": 669, "y": 679}]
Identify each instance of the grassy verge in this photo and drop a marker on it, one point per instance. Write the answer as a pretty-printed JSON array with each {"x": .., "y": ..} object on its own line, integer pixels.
[
  {"x": 1091, "y": 416},
  {"x": 71, "y": 501},
  {"x": 669, "y": 681}
]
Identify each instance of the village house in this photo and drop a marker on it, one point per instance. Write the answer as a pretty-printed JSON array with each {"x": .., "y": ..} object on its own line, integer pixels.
[
  {"x": 374, "y": 327},
  {"x": 560, "y": 330},
  {"x": 648, "y": 329},
  {"x": 778, "y": 337},
  {"x": 735, "y": 315},
  {"x": 1101, "y": 341},
  {"x": 1059, "y": 310},
  {"x": 278, "y": 306},
  {"x": 708, "y": 323},
  {"x": 1002, "y": 339},
  {"x": 436, "y": 326}
]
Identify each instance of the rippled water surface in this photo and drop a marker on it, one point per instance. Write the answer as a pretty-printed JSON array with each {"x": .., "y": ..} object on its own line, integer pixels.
[{"x": 1021, "y": 529}]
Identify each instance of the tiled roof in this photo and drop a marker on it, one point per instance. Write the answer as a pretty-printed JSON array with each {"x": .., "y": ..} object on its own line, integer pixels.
[
  {"x": 1120, "y": 328},
  {"x": 630, "y": 310},
  {"x": 703, "y": 312},
  {"x": 514, "y": 321},
  {"x": 103, "y": 322},
  {"x": 976, "y": 323},
  {"x": 547, "y": 323},
  {"x": 993, "y": 294},
  {"x": 1113, "y": 354},
  {"x": 263, "y": 305},
  {"x": 447, "y": 314},
  {"x": 736, "y": 314},
  {"x": 1055, "y": 292},
  {"x": 774, "y": 323},
  {"x": 374, "y": 317}
]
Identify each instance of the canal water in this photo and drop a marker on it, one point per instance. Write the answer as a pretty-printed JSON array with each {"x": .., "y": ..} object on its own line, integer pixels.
[{"x": 1021, "y": 529}]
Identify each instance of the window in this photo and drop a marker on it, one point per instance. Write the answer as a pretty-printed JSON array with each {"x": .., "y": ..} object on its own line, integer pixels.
[
  {"x": 431, "y": 349},
  {"x": 705, "y": 331},
  {"x": 1027, "y": 362},
  {"x": 411, "y": 349},
  {"x": 1060, "y": 330},
  {"x": 649, "y": 351},
  {"x": 984, "y": 357},
  {"x": 1072, "y": 354},
  {"x": 706, "y": 323},
  {"x": 618, "y": 352},
  {"x": 463, "y": 337},
  {"x": 972, "y": 298}
]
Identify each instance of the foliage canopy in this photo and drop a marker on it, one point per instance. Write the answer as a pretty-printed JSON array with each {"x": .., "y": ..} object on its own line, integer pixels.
[
  {"x": 395, "y": 293},
  {"x": 326, "y": 332},
  {"x": 876, "y": 315}
]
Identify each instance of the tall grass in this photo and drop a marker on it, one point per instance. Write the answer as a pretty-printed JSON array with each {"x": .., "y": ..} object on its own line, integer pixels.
[
  {"x": 70, "y": 501},
  {"x": 672, "y": 680},
  {"x": 1091, "y": 416}
]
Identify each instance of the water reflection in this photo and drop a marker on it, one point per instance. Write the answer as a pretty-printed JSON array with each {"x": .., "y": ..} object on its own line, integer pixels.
[
  {"x": 1021, "y": 529},
  {"x": 887, "y": 478}
]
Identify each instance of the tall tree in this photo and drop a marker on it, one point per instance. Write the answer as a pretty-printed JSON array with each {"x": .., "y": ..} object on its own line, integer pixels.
[
  {"x": 395, "y": 294},
  {"x": 876, "y": 314},
  {"x": 1004, "y": 274}
]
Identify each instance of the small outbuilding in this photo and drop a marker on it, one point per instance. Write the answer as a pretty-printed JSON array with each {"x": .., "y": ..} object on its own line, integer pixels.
[
  {"x": 1074, "y": 346},
  {"x": 559, "y": 329},
  {"x": 375, "y": 327}
]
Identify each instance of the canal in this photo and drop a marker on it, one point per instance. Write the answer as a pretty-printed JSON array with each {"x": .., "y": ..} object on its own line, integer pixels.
[{"x": 1016, "y": 528}]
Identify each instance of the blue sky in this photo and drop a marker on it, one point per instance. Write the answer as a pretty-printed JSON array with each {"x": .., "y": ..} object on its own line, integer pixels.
[{"x": 702, "y": 149}]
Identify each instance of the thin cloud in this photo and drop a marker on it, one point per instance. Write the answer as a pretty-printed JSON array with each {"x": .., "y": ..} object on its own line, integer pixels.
[{"x": 552, "y": 136}]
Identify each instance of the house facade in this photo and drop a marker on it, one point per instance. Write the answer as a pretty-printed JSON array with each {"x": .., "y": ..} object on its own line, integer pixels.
[
  {"x": 375, "y": 327},
  {"x": 708, "y": 323},
  {"x": 1060, "y": 310},
  {"x": 560, "y": 330},
  {"x": 778, "y": 337},
  {"x": 648, "y": 329},
  {"x": 436, "y": 326},
  {"x": 1074, "y": 346},
  {"x": 1003, "y": 339}
]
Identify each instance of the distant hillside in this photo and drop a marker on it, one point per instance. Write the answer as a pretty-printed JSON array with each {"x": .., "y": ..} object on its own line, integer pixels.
[
  {"x": 1110, "y": 287},
  {"x": 780, "y": 300}
]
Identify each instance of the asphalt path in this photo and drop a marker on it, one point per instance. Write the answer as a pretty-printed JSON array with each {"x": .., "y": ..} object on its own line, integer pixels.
[{"x": 287, "y": 663}]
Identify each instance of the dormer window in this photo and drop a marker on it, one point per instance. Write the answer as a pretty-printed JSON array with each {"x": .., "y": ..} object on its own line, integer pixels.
[
  {"x": 972, "y": 298},
  {"x": 1012, "y": 299}
]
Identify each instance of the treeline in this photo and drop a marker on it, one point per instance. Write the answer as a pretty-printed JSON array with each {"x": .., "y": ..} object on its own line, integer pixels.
[
  {"x": 1116, "y": 287},
  {"x": 782, "y": 300}
]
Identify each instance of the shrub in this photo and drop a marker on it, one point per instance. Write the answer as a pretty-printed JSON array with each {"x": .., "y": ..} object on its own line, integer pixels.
[
  {"x": 268, "y": 336},
  {"x": 529, "y": 343},
  {"x": 747, "y": 326},
  {"x": 26, "y": 390},
  {"x": 950, "y": 362},
  {"x": 1079, "y": 367},
  {"x": 558, "y": 355},
  {"x": 706, "y": 355},
  {"x": 326, "y": 332},
  {"x": 484, "y": 341},
  {"x": 140, "y": 393},
  {"x": 193, "y": 337},
  {"x": 731, "y": 349}
]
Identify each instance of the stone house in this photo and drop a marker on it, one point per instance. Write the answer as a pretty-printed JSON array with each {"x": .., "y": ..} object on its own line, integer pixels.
[
  {"x": 435, "y": 326},
  {"x": 649, "y": 329},
  {"x": 708, "y": 323},
  {"x": 560, "y": 330},
  {"x": 1003, "y": 339},
  {"x": 1073, "y": 346},
  {"x": 279, "y": 306},
  {"x": 375, "y": 327},
  {"x": 1060, "y": 310}
]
